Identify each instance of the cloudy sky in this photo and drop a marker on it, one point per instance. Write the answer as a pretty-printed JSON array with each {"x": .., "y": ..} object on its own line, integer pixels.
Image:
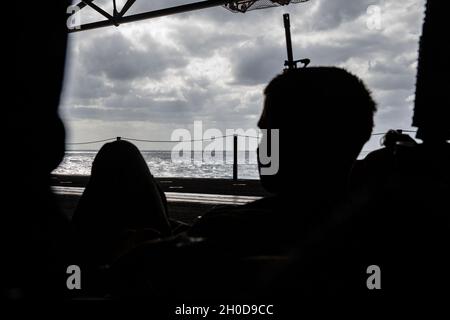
[{"x": 145, "y": 79}]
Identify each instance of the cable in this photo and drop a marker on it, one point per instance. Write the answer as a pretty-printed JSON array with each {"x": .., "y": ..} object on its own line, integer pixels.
[
  {"x": 383, "y": 133},
  {"x": 90, "y": 142},
  {"x": 193, "y": 140}
]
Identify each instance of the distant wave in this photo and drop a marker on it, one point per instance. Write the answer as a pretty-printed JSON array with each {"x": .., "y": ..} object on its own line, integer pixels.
[{"x": 161, "y": 164}]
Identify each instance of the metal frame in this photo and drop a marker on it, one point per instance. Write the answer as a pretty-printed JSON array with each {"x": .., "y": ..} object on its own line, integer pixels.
[
  {"x": 119, "y": 18},
  {"x": 290, "y": 63},
  {"x": 240, "y": 6}
]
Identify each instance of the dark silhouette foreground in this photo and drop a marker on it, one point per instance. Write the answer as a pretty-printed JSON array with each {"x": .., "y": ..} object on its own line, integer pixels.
[
  {"x": 34, "y": 234},
  {"x": 313, "y": 238},
  {"x": 324, "y": 116},
  {"x": 121, "y": 204},
  {"x": 317, "y": 237},
  {"x": 240, "y": 252}
]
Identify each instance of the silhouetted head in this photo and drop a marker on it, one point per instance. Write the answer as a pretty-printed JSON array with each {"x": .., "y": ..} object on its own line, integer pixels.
[
  {"x": 394, "y": 137},
  {"x": 324, "y": 116},
  {"x": 37, "y": 71},
  {"x": 121, "y": 164},
  {"x": 121, "y": 195},
  {"x": 32, "y": 227}
]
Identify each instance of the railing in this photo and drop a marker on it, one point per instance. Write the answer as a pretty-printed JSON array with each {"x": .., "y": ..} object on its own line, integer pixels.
[{"x": 235, "y": 144}]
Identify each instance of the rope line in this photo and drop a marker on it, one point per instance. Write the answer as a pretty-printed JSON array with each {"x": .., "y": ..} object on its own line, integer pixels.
[
  {"x": 90, "y": 142},
  {"x": 160, "y": 141},
  {"x": 192, "y": 140},
  {"x": 382, "y": 133}
]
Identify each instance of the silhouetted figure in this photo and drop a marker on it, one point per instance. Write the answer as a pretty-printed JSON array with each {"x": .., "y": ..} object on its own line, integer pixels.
[
  {"x": 324, "y": 116},
  {"x": 33, "y": 231},
  {"x": 121, "y": 206},
  {"x": 400, "y": 221},
  {"x": 382, "y": 163}
]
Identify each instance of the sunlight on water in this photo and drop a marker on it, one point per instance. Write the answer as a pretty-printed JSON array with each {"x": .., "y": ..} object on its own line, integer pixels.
[{"x": 161, "y": 165}]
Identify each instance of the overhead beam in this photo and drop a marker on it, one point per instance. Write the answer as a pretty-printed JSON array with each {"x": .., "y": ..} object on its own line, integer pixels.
[
  {"x": 101, "y": 11},
  {"x": 81, "y": 5},
  {"x": 126, "y": 7},
  {"x": 147, "y": 15}
]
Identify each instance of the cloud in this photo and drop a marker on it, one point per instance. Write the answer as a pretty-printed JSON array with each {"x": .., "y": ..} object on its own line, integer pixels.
[
  {"x": 120, "y": 59},
  {"x": 212, "y": 65},
  {"x": 259, "y": 61},
  {"x": 331, "y": 14}
]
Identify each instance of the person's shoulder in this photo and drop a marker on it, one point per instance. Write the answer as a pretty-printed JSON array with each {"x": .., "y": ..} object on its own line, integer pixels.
[
  {"x": 255, "y": 208},
  {"x": 232, "y": 218}
]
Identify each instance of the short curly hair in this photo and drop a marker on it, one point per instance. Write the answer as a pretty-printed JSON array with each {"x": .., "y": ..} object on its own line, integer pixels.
[{"x": 328, "y": 99}]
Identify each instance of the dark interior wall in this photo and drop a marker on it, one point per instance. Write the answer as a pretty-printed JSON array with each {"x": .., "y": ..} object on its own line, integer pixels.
[
  {"x": 432, "y": 104},
  {"x": 34, "y": 50}
]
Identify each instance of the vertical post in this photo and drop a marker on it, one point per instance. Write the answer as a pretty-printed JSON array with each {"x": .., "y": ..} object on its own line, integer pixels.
[
  {"x": 115, "y": 12},
  {"x": 287, "y": 29},
  {"x": 235, "y": 157}
]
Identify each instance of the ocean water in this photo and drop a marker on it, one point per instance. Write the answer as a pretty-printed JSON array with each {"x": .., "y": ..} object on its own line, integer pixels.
[{"x": 161, "y": 164}]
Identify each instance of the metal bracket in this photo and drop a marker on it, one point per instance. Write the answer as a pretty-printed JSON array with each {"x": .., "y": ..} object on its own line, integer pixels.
[
  {"x": 117, "y": 18},
  {"x": 114, "y": 18},
  {"x": 290, "y": 63}
]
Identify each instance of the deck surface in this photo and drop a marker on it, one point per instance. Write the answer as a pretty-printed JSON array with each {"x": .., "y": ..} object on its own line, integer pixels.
[
  {"x": 215, "y": 199},
  {"x": 187, "y": 198},
  {"x": 183, "y": 185}
]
